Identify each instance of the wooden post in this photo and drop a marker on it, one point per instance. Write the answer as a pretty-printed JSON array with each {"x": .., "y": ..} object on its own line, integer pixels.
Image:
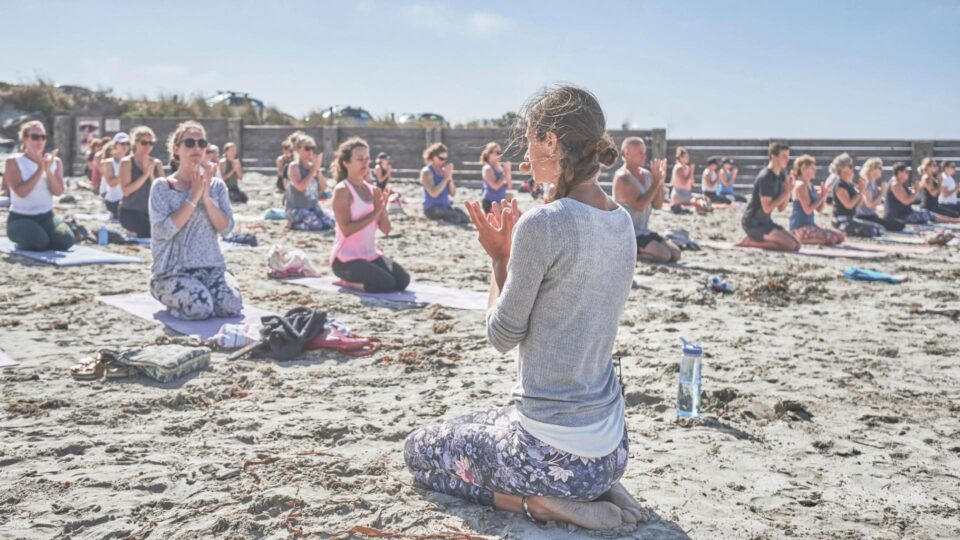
[
  {"x": 658, "y": 143},
  {"x": 235, "y": 133},
  {"x": 64, "y": 129},
  {"x": 331, "y": 140},
  {"x": 921, "y": 150}
]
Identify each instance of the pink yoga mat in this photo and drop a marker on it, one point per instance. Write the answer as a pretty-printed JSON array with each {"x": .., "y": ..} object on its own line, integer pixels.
[
  {"x": 147, "y": 308},
  {"x": 416, "y": 293},
  {"x": 813, "y": 251}
]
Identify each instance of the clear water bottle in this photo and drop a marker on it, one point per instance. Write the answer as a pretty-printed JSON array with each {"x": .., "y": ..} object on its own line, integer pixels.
[
  {"x": 688, "y": 393},
  {"x": 103, "y": 237}
]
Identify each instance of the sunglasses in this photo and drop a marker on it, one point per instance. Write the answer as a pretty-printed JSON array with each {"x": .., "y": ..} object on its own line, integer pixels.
[
  {"x": 310, "y": 148},
  {"x": 190, "y": 143},
  {"x": 38, "y": 137},
  {"x": 145, "y": 142},
  {"x": 442, "y": 158},
  {"x": 497, "y": 152}
]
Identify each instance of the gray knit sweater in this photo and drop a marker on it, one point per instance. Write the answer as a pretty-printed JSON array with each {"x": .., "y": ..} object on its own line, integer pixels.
[
  {"x": 569, "y": 275},
  {"x": 195, "y": 245}
]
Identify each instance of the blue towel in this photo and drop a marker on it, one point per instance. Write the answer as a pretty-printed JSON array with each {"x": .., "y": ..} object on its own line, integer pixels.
[
  {"x": 274, "y": 213},
  {"x": 864, "y": 274}
]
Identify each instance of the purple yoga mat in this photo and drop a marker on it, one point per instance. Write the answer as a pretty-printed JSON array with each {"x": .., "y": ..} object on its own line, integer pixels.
[
  {"x": 6, "y": 361},
  {"x": 75, "y": 256},
  {"x": 146, "y": 307},
  {"x": 416, "y": 293},
  {"x": 832, "y": 252}
]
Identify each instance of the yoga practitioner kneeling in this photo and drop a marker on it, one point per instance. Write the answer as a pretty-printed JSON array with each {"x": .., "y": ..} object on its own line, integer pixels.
[
  {"x": 360, "y": 209},
  {"x": 34, "y": 178},
  {"x": 771, "y": 192},
  {"x": 188, "y": 210},
  {"x": 557, "y": 453}
]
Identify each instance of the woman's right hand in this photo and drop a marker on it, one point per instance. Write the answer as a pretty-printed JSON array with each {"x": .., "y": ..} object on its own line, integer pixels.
[
  {"x": 380, "y": 198},
  {"x": 49, "y": 159},
  {"x": 495, "y": 230}
]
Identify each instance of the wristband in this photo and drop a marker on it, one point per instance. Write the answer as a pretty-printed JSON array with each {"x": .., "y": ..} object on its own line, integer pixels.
[{"x": 191, "y": 203}]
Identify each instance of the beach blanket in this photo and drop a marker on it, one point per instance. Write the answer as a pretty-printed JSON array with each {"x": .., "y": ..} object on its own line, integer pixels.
[
  {"x": 76, "y": 256},
  {"x": 146, "y": 307},
  {"x": 416, "y": 293},
  {"x": 6, "y": 361},
  {"x": 894, "y": 247},
  {"x": 812, "y": 251},
  {"x": 865, "y": 274}
]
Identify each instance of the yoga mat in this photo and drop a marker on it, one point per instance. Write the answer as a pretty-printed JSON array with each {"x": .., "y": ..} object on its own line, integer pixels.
[
  {"x": 6, "y": 361},
  {"x": 416, "y": 293},
  {"x": 77, "y": 256},
  {"x": 106, "y": 217},
  {"x": 148, "y": 308},
  {"x": 891, "y": 248},
  {"x": 901, "y": 239},
  {"x": 813, "y": 251}
]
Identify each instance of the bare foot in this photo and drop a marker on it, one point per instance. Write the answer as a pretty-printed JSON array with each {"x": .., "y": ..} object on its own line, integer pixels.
[
  {"x": 632, "y": 511},
  {"x": 348, "y": 284},
  {"x": 589, "y": 515}
]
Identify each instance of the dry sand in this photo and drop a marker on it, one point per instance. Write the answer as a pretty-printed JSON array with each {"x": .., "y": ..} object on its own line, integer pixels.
[{"x": 831, "y": 406}]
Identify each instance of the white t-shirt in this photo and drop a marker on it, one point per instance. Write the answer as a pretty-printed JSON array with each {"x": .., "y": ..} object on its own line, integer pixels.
[
  {"x": 949, "y": 183},
  {"x": 112, "y": 193},
  {"x": 40, "y": 200}
]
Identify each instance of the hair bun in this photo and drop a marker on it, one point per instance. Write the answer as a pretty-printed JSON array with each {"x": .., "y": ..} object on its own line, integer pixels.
[{"x": 606, "y": 151}]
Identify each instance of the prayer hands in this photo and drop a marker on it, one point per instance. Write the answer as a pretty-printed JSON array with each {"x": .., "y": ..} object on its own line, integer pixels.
[
  {"x": 49, "y": 159},
  {"x": 380, "y": 199},
  {"x": 658, "y": 170},
  {"x": 448, "y": 171},
  {"x": 495, "y": 230}
]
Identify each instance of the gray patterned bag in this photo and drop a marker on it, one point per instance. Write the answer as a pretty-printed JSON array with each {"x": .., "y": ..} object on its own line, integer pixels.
[{"x": 165, "y": 363}]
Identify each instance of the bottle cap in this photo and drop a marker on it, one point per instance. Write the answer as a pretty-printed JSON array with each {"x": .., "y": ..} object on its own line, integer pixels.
[{"x": 692, "y": 349}]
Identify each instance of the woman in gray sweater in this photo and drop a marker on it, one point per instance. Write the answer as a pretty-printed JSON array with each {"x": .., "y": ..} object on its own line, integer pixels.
[
  {"x": 188, "y": 211},
  {"x": 561, "y": 277}
]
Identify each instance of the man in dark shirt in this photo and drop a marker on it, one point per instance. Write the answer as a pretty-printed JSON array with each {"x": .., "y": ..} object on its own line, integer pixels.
[{"x": 771, "y": 192}]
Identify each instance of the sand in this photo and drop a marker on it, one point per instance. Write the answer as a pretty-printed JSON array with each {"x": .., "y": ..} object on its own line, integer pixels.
[{"x": 831, "y": 406}]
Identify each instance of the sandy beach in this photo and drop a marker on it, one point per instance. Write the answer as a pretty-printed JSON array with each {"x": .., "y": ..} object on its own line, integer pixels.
[{"x": 832, "y": 407}]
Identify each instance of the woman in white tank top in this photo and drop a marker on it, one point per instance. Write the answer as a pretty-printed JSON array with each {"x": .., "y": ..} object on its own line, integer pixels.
[
  {"x": 34, "y": 178},
  {"x": 110, "y": 188}
]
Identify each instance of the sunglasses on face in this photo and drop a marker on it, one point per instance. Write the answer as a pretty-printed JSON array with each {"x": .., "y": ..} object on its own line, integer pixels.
[
  {"x": 310, "y": 148},
  {"x": 38, "y": 137},
  {"x": 190, "y": 143},
  {"x": 442, "y": 158},
  {"x": 145, "y": 142},
  {"x": 497, "y": 152}
]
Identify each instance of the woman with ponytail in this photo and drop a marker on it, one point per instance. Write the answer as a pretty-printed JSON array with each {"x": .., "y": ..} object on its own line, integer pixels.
[{"x": 558, "y": 452}]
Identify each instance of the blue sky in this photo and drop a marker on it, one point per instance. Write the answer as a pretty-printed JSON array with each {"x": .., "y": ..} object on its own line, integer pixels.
[{"x": 699, "y": 68}]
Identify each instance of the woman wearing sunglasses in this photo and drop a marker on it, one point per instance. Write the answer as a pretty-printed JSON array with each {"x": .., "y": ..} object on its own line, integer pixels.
[
  {"x": 137, "y": 172},
  {"x": 231, "y": 172},
  {"x": 305, "y": 182},
  {"x": 188, "y": 210},
  {"x": 438, "y": 187},
  {"x": 110, "y": 190},
  {"x": 497, "y": 177},
  {"x": 34, "y": 178}
]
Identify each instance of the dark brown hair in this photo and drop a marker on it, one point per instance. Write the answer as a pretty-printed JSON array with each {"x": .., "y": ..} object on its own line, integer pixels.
[
  {"x": 776, "y": 147},
  {"x": 433, "y": 151},
  {"x": 344, "y": 154},
  {"x": 575, "y": 117}
]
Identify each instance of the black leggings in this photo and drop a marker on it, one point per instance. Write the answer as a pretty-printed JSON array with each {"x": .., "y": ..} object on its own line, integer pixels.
[
  {"x": 377, "y": 276},
  {"x": 888, "y": 224},
  {"x": 725, "y": 198},
  {"x": 114, "y": 208},
  {"x": 949, "y": 210},
  {"x": 450, "y": 214},
  {"x": 135, "y": 221},
  {"x": 236, "y": 195}
]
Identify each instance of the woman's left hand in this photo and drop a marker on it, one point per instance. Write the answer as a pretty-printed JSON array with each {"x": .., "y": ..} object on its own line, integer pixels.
[{"x": 495, "y": 230}]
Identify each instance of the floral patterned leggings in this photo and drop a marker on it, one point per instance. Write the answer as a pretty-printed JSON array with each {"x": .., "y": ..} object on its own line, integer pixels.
[
  {"x": 309, "y": 219},
  {"x": 811, "y": 234},
  {"x": 199, "y": 293},
  {"x": 475, "y": 455}
]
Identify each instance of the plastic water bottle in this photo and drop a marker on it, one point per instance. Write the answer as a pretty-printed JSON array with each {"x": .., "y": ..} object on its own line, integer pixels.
[
  {"x": 688, "y": 392},
  {"x": 103, "y": 238}
]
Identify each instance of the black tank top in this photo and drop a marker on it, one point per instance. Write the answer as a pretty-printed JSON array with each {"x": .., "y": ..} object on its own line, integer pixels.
[
  {"x": 893, "y": 208},
  {"x": 140, "y": 199}
]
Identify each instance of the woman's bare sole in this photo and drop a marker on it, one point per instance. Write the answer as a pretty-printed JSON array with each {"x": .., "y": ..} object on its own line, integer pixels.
[
  {"x": 597, "y": 515},
  {"x": 349, "y": 285},
  {"x": 633, "y": 513}
]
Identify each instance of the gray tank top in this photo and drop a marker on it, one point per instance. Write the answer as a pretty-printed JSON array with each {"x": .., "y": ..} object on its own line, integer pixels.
[
  {"x": 640, "y": 219},
  {"x": 302, "y": 199},
  {"x": 139, "y": 200},
  {"x": 862, "y": 210}
]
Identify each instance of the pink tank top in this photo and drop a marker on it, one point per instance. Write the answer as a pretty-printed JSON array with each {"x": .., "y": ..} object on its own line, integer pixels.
[{"x": 363, "y": 243}]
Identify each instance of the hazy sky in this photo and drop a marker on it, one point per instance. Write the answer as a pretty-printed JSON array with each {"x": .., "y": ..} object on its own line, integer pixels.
[{"x": 699, "y": 68}]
